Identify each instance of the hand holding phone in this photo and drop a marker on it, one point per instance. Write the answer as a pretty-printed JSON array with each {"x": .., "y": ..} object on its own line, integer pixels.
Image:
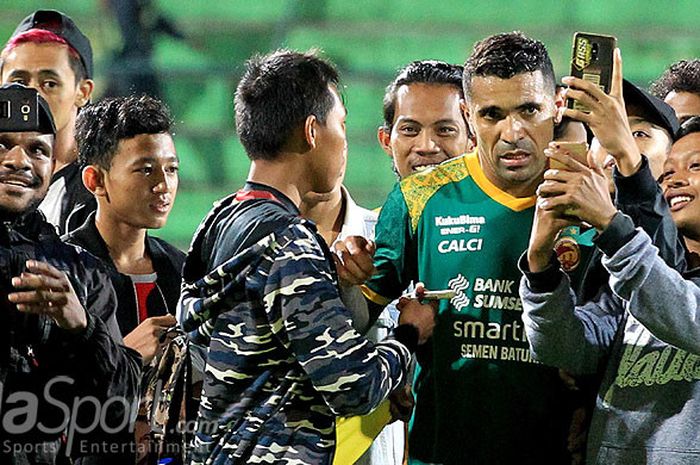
[
  {"x": 432, "y": 295},
  {"x": 592, "y": 61},
  {"x": 576, "y": 150},
  {"x": 606, "y": 114}
]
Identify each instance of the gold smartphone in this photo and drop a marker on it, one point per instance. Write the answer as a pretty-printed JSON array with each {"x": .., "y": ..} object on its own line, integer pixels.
[
  {"x": 592, "y": 60},
  {"x": 576, "y": 150}
]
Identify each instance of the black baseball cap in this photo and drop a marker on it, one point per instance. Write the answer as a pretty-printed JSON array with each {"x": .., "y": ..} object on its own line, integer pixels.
[
  {"x": 46, "y": 124},
  {"x": 659, "y": 112},
  {"x": 64, "y": 27}
]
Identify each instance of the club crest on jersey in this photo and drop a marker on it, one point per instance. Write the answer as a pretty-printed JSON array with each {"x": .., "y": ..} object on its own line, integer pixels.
[{"x": 568, "y": 253}]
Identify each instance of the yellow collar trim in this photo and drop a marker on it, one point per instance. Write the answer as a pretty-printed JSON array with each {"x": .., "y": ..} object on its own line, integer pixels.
[{"x": 514, "y": 203}]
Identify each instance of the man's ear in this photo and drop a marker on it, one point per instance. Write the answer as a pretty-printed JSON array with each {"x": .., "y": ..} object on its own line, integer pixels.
[
  {"x": 384, "y": 138},
  {"x": 85, "y": 88},
  {"x": 310, "y": 131},
  {"x": 93, "y": 179},
  {"x": 465, "y": 111},
  {"x": 471, "y": 135}
]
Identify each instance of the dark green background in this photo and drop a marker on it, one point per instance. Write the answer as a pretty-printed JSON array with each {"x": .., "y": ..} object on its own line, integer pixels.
[{"x": 368, "y": 40}]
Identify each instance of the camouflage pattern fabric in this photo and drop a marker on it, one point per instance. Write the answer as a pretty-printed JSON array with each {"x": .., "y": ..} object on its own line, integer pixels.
[
  {"x": 283, "y": 359},
  {"x": 167, "y": 405}
]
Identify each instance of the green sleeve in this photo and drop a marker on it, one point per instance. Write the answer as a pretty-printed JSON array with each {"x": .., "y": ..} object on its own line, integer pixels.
[{"x": 395, "y": 257}]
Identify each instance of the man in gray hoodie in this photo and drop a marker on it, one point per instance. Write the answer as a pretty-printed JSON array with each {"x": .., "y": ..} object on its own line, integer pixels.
[{"x": 641, "y": 331}]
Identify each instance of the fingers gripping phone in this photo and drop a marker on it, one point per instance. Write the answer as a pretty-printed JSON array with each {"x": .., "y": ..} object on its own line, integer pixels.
[
  {"x": 592, "y": 60},
  {"x": 576, "y": 150}
]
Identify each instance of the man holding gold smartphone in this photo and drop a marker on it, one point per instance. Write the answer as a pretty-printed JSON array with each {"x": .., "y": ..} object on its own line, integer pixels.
[
  {"x": 636, "y": 142},
  {"x": 633, "y": 134},
  {"x": 630, "y": 332}
]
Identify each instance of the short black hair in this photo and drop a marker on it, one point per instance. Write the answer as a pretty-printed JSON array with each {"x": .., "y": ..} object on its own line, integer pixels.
[
  {"x": 100, "y": 126},
  {"x": 682, "y": 76},
  {"x": 690, "y": 126},
  {"x": 276, "y": 94},
  {"x": 506, "y": 55},
  {"x": 420, "y": 72}
]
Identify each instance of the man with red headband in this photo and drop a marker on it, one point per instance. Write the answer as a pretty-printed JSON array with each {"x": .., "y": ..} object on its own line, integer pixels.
[{"x": 48, "y": 52}]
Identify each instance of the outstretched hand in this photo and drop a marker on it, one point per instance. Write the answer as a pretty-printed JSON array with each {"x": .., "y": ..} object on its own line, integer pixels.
[
  {"x": 420, "y": 315},
  {"x": 354, "y": 260}
]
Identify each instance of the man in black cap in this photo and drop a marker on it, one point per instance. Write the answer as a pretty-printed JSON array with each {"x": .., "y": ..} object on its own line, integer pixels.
[
  {"x": 653, "y": 124},
  {"x": 632, "y": 152},
  {"x": 62, "y": 365},
  {"x": 633, "y": 135},
  {"x": 48, "y": 52}
]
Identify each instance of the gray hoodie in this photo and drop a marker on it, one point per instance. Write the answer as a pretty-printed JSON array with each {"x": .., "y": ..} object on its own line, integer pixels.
[{"x": 648, "y": 405}]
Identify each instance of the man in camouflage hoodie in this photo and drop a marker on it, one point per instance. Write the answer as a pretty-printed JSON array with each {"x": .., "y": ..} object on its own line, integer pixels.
[{"x": 261, "y": 290}]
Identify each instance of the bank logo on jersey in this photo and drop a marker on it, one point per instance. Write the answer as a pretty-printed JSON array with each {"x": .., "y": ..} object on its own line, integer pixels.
[{"x": 459, "y": 285}]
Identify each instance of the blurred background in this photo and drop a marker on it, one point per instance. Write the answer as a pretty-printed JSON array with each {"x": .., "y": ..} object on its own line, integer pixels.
[{"x": 191, "y": 53}]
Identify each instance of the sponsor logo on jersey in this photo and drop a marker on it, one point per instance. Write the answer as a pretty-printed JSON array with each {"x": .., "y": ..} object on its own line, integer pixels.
[
  {"x": 460, "y": 245},
  {"x": 459, "y": 220},
  {"x": 459, "y": 285}
]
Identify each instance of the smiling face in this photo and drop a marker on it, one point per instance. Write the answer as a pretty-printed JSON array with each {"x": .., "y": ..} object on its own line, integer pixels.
[
  {"x": 26, "y": 162},
  {"x": 681, "y": 184},
  {"x": 514, "y": 121},
  {"x": 428, "y": 127},
  {"x": 140, "y": 186}
]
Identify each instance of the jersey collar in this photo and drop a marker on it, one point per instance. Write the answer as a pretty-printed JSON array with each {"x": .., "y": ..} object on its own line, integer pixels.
[{"x": 514, "y": 203}]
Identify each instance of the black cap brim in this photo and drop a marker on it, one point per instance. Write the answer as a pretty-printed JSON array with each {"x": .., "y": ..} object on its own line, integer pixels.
[
  {"x": 661, "y": 112},
  {"x": 63, "y": 26}
]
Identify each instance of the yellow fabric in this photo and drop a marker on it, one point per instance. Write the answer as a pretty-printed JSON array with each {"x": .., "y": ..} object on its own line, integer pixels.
[
  {"x": 354, "y": 435},
  {"x": 373, "y": 296},
  {"x": 418, "y": 188}
]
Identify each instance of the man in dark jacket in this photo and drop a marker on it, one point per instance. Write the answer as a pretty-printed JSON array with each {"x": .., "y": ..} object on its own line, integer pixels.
[
  {"x": 60, "y": 342},
  {"x": 131, "y": 167}
]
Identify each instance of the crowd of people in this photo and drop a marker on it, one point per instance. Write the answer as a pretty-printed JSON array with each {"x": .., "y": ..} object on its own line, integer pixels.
[{"x": 509, "y": 303}]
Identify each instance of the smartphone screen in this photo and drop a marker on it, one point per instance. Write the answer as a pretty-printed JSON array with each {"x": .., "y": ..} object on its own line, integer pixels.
[{"x": 592, "y": 60}]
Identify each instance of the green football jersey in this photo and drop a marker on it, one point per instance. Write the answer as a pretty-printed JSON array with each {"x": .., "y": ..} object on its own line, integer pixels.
[{"x": 480, "y": 396}]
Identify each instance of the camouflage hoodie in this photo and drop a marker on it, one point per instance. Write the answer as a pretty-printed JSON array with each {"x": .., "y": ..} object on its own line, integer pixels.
[{"x": 260, "y": 291}]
